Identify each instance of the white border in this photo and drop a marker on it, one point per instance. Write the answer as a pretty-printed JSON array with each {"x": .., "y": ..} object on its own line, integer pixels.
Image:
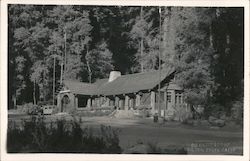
[{"x": 121, "y": 157}]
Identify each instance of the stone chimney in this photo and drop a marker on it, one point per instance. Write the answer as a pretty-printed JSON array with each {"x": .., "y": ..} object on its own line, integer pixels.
[{"x": 113, "y": 75}]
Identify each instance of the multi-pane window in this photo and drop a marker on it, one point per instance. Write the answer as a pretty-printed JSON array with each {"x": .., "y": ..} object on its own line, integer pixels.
[
  {"x": 169, "y": 97},
  {"x": 178, "y": 97},
  {"x": 161, "y": 96}
]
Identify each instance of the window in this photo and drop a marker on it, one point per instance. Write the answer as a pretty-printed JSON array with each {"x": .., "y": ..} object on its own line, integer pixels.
[
  {"x": 178, "y": 97},
  {"x": 82, "y": 101},
  {"x": 169, "y": 97},
  {"x": 161, "y": 96}
]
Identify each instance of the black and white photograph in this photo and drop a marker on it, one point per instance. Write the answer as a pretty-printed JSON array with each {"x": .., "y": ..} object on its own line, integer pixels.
[{"x": 125, "y": 79}]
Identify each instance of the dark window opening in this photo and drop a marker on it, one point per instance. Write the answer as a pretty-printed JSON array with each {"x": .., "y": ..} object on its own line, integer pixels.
[
  {"x": 169, "y": 97},
  {"x": 178, "y": 97},
  {"x": 82, "y": 101}
]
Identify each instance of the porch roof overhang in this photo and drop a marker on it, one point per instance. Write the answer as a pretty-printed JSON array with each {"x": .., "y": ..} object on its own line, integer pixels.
[{"x": 125, "y": 84}]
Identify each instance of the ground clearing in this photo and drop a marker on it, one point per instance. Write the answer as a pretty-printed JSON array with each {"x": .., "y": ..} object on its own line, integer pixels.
[{"x": 197, "y": 140}]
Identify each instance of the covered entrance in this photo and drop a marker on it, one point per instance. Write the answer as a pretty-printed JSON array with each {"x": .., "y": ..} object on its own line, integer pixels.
[{"x": 65, "y": 103}]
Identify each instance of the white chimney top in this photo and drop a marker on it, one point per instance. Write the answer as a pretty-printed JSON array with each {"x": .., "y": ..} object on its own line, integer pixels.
[{"x": 113, "y": 75}]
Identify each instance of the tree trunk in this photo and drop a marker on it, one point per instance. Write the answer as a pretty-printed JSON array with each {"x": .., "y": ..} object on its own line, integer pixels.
[
  {"x": 44, "y": 93},
  {"x": 61, "y": 73},
  {"x": 61, "y": 76},
  {"x": 34, "y": 93},
  {"x": 65, "y": 52},
  {"x": 141, "y": 42},
  {"x": 89, "y": 69},
  {"x": 14, "y": 100},
  {"x": 159, "y": 68},
  {"x": 141, "y": 54},
  {"x": 211, "y": 36},
  {"x": 54, "y": 75}
]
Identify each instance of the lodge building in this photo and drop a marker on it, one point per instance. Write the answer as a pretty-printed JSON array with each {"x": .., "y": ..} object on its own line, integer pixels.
[{"x": 123, "y": 92}]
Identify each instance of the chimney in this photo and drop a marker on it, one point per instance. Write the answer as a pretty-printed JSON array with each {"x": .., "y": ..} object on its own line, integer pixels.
[{"x": 113, "y": 75}]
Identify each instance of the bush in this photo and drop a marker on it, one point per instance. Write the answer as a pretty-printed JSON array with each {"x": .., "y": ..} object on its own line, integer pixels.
[
  {"x": 215, "y": 110},
  {"x": 61, "y": 136},
  {"x": 43, "y": 103},
  {"x": 237, "y": 112},
  {"x": 182, "y": 113},
  {"x": 25, "y": 108},
  {"x": 90, "y": 113}
]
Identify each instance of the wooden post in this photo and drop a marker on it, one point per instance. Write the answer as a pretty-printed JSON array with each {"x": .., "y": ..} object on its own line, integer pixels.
[
  {"x": 107, "y": 101},
  {"x": 89, "y": 103},
  {"x": 59, "y": 101},
  {"x": 126, "y": 102},
  {"x": 14, "y": 100},
  {"x": 130, "y": 103},
  {"x": 152, "y": 101},
  {"x": 111, "y": 101},
  {"x": 76, "y": 101},
  {"x": 173, "y": 97},
  {"x": 98, "y": 101},
  {"x": 138, "y": 100},
  {"x": 92, "y": 102},
  {"x": 121, "y": 104},
  {"x": 116, "y": 101}
]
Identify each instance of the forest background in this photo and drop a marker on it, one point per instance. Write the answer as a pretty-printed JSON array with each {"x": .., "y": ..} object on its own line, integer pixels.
[{"x": 205, "y": 45}]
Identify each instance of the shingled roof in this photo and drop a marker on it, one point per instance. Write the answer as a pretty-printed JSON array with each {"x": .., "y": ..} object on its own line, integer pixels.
[
  {"x": 81, "y": 88},
  {"x": 124, "y": 84}
]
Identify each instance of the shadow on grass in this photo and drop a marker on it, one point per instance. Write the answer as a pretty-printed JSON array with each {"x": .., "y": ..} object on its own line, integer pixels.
[{"x": 36, "y": 136}]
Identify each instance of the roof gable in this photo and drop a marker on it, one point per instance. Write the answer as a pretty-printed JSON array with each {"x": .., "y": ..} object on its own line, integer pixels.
[
  {"x": 81, "y": 88},
  {"x": 130, "y": 83},
  {"x": 134, "y": 82}
]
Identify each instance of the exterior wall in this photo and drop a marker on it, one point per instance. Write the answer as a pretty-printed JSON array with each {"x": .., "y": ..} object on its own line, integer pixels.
[
  {"x": 121, "y": 104},
  {"x": 126, "y": 105},
  {"x": 168, "y": 101},
  {"x": 152, "y": 101},
  {"x": 145, "y": 99},
  {"x": 89, "y": 103},
  {"x": 71, "y": 105},
  {"x": 162, "y": 101},
  {"x": 117, "y": 101},
  {"x": 138, "y": 100}
]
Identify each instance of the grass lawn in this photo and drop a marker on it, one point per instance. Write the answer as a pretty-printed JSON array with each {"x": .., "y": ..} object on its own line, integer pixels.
[{"x": 197, "y": 140}]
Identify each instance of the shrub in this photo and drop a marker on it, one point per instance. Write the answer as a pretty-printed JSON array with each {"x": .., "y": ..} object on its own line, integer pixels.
[
  {"x": 182, "y": 113},
  {"x": 215, "y": 110},
  {"x": 25, "y": 108},
  {"x": 100, "y": 111},
  {"x": 237, "y": 111},
  {"x": 60, "y": 136}
]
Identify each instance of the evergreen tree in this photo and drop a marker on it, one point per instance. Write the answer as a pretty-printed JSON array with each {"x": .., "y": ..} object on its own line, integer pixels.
[
  {"x": 99, "y": 61},
  {"x": 205, "y": 45},
  {"x": 145, "y": 38}
]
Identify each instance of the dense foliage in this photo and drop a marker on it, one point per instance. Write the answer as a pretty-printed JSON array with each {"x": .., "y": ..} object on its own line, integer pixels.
[
  {"x": 205, "y": 45},
  {"x": 61, "y": 136}
]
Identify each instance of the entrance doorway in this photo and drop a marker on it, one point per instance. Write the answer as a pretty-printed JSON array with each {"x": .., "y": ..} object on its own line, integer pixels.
[{"x": 64, "y": 103}]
